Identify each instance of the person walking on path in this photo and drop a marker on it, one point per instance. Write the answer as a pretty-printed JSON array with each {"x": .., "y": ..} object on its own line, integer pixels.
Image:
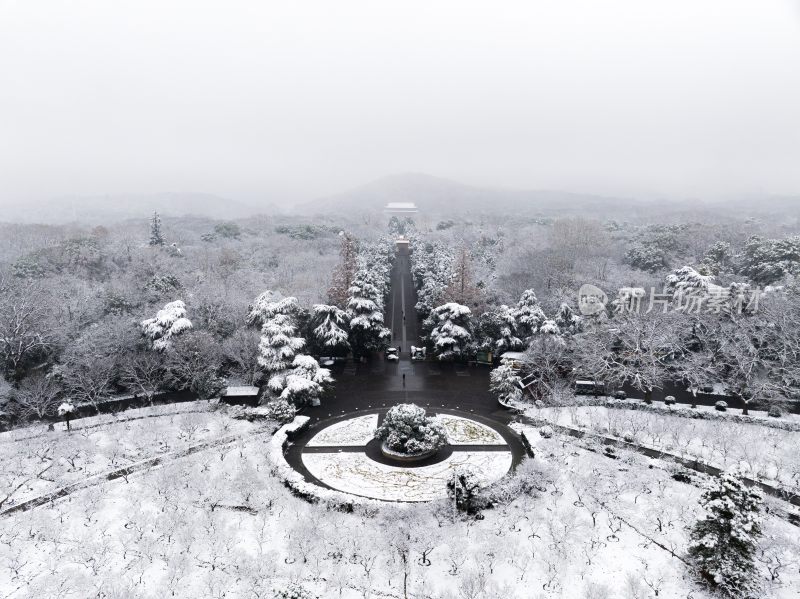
[{"x": 404, "y": 379}]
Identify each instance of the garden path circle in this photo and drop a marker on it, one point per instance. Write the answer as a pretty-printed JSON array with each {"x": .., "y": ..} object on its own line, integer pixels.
[{"x": 343, "y": 455}]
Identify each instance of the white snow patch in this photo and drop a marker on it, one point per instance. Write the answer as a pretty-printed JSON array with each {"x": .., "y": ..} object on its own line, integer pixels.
[
  {"x": 463, "y": 431},
  {"x": 356, "y": 432},
  {"x": 357, "y": 474}
]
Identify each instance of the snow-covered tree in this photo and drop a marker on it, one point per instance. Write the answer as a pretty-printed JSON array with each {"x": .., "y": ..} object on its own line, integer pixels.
[
  {"x": 343, "y": 274},
  {"x": 462, "y": 288},
  {"x": 168, "y": 323},
  {"x": 367, "y": 331},
  {"x": 303, "y": 383},
  {"x": 567, "y": 320},
  {"x": 329, "y": 322},
  {"x": 528, "y": 315},
  {"x": 66, "y": 411},
  {"x": 279, "y": 344},
  {"x": 156, "y": 238},
  {"x": 450, "y": 330},
  {"x": 194, "y": 362},
  {"x": 463, "y": 488},
  {"x": 724, "y": 540},
  {"x": 504, "y": 383},
  {"x": 719, "y": 257},
  {"x": 508, "y": 339},
  {"x": 408, "y": 429},
  {"x": 265, "y": 306},
  {"x": 767, "y": 261},
  {"x": 432, "y": 269}
]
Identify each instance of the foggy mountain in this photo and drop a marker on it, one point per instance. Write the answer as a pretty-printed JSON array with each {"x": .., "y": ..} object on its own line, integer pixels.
[
  {"x": 115, "y": 207},
  {"x": 439, "y": 195}
]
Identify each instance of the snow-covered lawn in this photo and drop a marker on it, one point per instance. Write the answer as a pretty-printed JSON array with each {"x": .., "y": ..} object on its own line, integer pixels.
[
  {"x": 356, "y": 431},
  {"x": 49, "y": 460},
  {"x": 462, "y": 431},
  {"x": 767, "y": 453},
  {"x": 357, "y": 474}
]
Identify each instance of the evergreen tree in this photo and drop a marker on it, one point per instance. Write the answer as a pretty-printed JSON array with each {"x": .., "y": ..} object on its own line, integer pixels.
[
  {"x": 567, "y": 320},
  {"x": 156, "y": 238},
  {"x": 725, "y": 539},
  {"x": 168, "y": 323},
  {"x": 529, "y": 315},
  {"x": 367, "y": 332},
  {"x": 508, "y": 339},
  {"x": 329, "y": 331},
  {"x": 450, "y": 330},
  {"x": 279, "y": 344},
  {"x": 304, "y": 383},
  {"x": 504, "y": 383}
]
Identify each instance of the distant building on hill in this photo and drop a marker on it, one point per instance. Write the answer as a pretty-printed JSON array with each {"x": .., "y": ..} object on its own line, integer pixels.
[{"x": 401, "y": 208}]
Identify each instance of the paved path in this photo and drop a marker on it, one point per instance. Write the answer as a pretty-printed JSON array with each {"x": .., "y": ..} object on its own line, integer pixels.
[{"x": 379, "y": 383}]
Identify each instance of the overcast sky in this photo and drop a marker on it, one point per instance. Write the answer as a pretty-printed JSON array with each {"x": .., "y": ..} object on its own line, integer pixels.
[{"x": 679, "y": 97}]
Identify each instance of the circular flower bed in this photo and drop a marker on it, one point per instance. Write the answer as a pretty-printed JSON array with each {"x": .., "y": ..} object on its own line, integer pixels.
[{"x": 408, "y": 433}]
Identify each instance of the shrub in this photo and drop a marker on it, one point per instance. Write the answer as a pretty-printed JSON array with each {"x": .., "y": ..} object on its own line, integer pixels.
[
  {"x": 546, "y": 431},
  {"x": 775, "y": 411},
  {"x": 669, "y": 400},
  {"x": 407, "y": 429},
  {"x": 280, "y": 410},
  {"x": 292, "y": 591},
  {"x": 721, "y": 406}
]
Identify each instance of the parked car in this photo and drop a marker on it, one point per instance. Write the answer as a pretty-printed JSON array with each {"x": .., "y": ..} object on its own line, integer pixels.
[
  {"x": 418, "y": 353},
  {"x": 391, "y": 354}
]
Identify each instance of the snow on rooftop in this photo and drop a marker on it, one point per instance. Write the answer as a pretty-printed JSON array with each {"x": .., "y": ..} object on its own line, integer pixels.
[{"x": 239, "y": 391}]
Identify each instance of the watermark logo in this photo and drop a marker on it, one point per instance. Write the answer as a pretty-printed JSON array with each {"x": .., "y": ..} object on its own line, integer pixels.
[
  {"x": 591, "y": 300},
  {"x": 714, "y": 299}
]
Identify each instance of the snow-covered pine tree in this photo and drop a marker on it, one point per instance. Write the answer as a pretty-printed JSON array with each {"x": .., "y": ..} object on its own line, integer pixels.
[
  {"x": 450, "y": 330},
  {"x": 367, "y": 332},
  {"x": 504, "y": 383},
  {"x": 265, "y": 306},
  {"x": 567, "y": 320},
  {"x": 508, "y": 339},
  {"x": 303, "y": 383},
  {"x": 725, "y": 539},
  {"x": 169, "y": 322},
  {"x": 279, "y": 344},
  {"x": 529, "y": 315},
  {"x": 330, "y": 334},
  {"x": 156, "y": 238}
]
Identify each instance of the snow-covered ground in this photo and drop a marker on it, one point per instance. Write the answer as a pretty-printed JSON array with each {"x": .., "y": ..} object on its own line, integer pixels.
[
  {"x": 356, "y": 431},
  {"x": 463, "y": 431},
  {"x": 46, "y": 460},
  {"x": 766, "y": 453},
  {"x": 357, "y": 474},
  {"x": 219, "y": 525}
]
